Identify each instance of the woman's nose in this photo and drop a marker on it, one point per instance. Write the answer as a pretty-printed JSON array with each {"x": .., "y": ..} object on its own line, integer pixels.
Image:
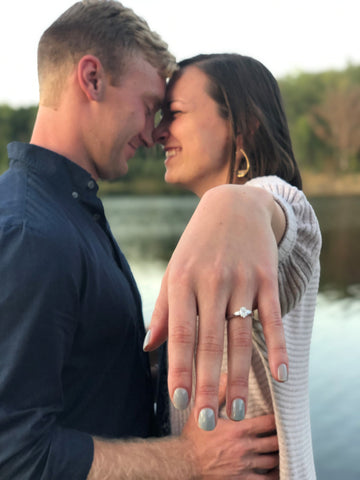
[{"x": 160, "y": 133}]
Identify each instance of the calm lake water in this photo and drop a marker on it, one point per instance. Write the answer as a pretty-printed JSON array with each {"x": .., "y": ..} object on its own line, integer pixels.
[{"x": 148, "y": 228}]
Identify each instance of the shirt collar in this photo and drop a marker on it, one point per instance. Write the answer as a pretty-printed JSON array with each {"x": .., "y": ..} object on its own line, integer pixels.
[{"x": 61, "y": 172}]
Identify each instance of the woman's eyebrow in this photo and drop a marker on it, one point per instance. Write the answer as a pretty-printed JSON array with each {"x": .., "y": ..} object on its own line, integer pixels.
[{"x": 175, "y": 100}]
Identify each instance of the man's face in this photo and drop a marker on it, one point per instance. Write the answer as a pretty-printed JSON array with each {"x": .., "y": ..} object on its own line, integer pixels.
[{"x": 124, "y": 119}]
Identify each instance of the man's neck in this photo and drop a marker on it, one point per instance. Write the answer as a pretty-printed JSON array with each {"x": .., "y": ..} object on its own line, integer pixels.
[{"x": 57, "y": 130}]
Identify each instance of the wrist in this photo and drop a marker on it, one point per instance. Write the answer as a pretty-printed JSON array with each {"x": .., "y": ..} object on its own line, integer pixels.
[
  {"x": 154, "y": 459},
  {"x": 250, "y": 200}
]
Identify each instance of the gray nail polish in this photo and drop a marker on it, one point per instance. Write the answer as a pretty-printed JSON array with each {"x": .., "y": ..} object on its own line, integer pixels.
[
  {"x": 282, "y": 373},
  {"x": 180, "y": 399},
  {"x": 147, "y": 339},
  {"x": 206, "y": 419},
  {"x": 237, "y": 409}
]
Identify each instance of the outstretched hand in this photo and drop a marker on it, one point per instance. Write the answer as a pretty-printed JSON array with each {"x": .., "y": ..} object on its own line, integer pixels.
[{"x": 225, "y": 259}]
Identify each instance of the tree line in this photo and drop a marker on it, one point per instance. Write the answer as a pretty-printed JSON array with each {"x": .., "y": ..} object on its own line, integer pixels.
[{"x": 323, "y": 111}]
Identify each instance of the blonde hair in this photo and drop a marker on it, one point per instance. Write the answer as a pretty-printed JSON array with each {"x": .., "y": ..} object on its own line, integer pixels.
[{"x": 105, "y": 29}]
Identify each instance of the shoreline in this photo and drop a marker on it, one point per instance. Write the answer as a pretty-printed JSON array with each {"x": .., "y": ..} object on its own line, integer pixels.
[
  {"x": 314, "y": 185},
  {"x": 325, "y": 184}
]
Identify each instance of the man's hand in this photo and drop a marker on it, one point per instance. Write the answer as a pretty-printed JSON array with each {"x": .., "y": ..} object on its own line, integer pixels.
[
  {"x": 235, "y": 450},
  {"x": 232, "y": 451},
  {"x": 225, "y": 259}
]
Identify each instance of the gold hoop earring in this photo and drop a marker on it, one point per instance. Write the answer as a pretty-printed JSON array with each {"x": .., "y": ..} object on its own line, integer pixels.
[{"x": 245, "y": 171}]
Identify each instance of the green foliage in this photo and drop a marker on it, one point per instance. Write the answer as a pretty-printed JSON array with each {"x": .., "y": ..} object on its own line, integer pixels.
[
  {"x": 15, "y": 124},
  {"x": 323, "y": 111}
]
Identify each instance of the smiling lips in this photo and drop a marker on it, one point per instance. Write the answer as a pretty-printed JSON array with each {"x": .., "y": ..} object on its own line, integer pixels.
[
  {"x": 133, "y": 147},
  {"x": 170, "y": 152}
]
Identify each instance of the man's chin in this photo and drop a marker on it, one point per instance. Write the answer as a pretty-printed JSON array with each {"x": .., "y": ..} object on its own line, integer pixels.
[{"x": 113, "y": 175}]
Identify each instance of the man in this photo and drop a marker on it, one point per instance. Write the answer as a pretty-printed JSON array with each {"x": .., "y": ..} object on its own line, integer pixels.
[{"x": 72, "y": 370}]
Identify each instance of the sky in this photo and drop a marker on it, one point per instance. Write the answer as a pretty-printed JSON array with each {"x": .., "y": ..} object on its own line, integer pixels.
[{"x": 287, "y": 36}]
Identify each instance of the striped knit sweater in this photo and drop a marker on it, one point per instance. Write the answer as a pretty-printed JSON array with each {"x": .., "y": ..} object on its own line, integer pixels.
[{"x": 299, "y": 272}]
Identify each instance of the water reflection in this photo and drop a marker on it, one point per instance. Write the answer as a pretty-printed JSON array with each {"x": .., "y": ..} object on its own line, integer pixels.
[
  {"x": 148, "y": 229},
  {"x": 340, "y": 257}
]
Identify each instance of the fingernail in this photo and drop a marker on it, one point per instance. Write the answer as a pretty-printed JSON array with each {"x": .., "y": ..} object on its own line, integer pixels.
[
  {"x": 206, "y": 419},
  {"x": 147, "y": 339},
  {"x": 180, "y": 399},
  {"x": 237, "y": 409},
  {"x": 282, "y": 373}
]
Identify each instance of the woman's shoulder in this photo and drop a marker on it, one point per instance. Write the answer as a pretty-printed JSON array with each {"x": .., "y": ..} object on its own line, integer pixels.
[{"x": 277, "y": 186}]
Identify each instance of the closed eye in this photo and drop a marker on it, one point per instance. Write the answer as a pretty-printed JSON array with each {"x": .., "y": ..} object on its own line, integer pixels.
[{"x": 174, "y": 113}]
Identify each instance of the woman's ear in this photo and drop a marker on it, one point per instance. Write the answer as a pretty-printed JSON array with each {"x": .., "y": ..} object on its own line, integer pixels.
[{"x": 91, "y": 77}]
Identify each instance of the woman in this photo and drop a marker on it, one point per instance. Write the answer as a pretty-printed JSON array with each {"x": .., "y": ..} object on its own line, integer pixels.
[{"x": 223, "y": 122}]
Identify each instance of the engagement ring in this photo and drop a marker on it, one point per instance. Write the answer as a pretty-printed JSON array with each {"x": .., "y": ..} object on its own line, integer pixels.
[{"x": 243, "y": 313}]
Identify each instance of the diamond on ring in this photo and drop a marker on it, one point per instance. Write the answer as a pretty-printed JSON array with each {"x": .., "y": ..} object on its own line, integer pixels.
[{"x": 243, "y": 313}]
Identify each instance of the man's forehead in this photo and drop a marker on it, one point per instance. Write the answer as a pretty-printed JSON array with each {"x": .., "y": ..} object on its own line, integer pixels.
[{"x": 156, "y": 98}]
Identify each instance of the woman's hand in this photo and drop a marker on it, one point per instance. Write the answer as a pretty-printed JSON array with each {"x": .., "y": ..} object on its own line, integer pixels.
[{"x": 225, "y": 259}]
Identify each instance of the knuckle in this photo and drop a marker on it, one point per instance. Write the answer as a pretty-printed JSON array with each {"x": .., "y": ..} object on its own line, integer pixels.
[
  {"x": 268, "y": 274},
  {"x": 220, "y": 275},
  {"x": 245, "y": 460},
  {"x": 179, "y": 275},
  {"x": 274, "y": 444},
  {"x": 243, "y": 276},
  {"x": 206, "y": 390},
  {"x": 210, "y": 344},
  {"x": 279, "y": 349},
  {"x": 179, "y": 372},
  {"x": 272, "y": 322},
  {"x": 251, "y": 446},
  {"x": 181, "y": 334},
  {"x": 241, "y": 339},
  {"x": 220, "y": 272},
  {"x": 214, "y": 280},
  {"x": 238, "y": 383}
]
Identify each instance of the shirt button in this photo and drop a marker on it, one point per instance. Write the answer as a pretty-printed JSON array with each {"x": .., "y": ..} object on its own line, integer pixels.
[
  {"x": 75, "y": 195},
  {"x": 96, "y": 217},
  {"x": 91, "y": 184}
]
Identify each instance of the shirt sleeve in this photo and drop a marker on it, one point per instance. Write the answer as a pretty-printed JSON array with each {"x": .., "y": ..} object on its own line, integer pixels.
[
  {"x": 300, "y": 246},
  {"x": 38, "y": 303}
]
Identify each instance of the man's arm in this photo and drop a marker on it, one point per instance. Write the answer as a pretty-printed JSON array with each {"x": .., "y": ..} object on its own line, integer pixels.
[
  {"x": 232, "y": 450},
  {"x": 36, "y": 333},
  {"x": 225, "y": 259}
]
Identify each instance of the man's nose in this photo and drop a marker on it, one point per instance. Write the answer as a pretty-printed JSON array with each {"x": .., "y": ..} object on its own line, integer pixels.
[{"x": 147, "y": 135}]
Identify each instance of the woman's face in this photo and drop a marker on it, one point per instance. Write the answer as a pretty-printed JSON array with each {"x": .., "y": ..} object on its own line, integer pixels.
[{"x": 195, "y": 137}]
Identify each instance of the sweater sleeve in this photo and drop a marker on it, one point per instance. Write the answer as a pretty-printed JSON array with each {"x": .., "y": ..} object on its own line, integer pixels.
[
  {"x": 300, "y": 247},
  {"x": 299, "y": 270}
]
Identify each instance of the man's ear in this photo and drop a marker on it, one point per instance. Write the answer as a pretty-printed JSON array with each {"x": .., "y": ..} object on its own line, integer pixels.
[{"x": 91, "y": 77}]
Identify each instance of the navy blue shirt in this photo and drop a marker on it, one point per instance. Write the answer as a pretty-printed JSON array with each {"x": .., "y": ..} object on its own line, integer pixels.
[{"x": 71, "y": 327}]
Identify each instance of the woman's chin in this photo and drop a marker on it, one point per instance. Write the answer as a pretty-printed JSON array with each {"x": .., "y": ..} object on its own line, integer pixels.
[
  {"x": 171, "y": 179},
  {"x": 178, "y": 182}
]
